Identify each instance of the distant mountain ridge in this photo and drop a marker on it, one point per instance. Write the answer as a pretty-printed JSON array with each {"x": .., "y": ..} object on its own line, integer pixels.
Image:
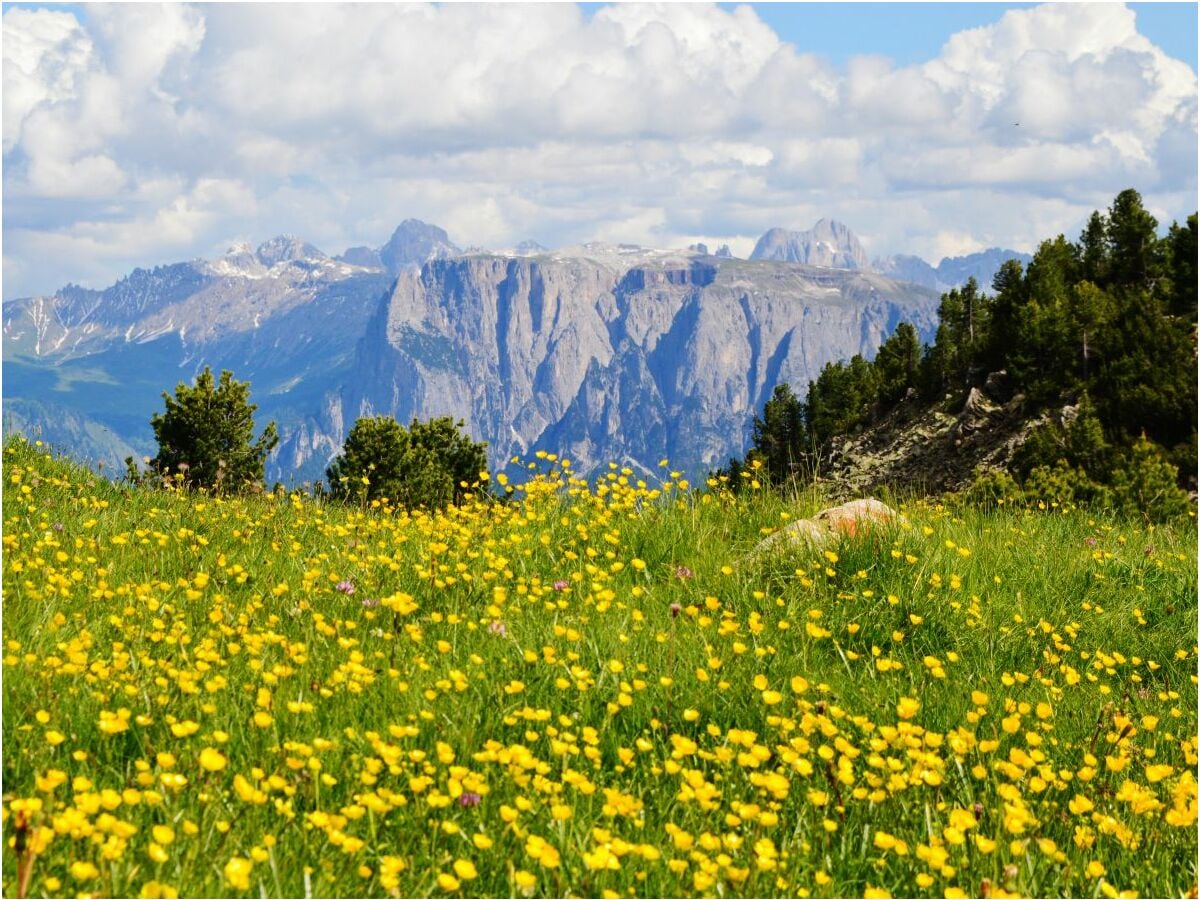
[
  {"x": 831, "y": 244},
  {"x": 602, "y": 352},
  {"x": 952, "y": 271}
]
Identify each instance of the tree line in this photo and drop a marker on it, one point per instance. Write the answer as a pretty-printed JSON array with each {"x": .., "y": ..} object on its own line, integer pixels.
[
  {"x": 1107, "y": 323},
  {"x": 206, "y": 442}
]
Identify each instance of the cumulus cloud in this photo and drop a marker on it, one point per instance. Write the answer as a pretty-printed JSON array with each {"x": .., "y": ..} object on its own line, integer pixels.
[
  {"x": 46, "y": 54},
  {"x": 144, "y": 133}
]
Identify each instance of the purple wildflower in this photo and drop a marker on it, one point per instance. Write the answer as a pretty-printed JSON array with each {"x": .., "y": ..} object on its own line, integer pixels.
[
  {"x": 370, "y": 603},
  {"x": 1150, "y": 550},
  {"x": 683, "y": 573},
  {"x": 344, "y": 587},
  {"x": 58, "y": 526},
  {"x": 468, "y": 799},
  {"x": 675, "y": 610},
  {"x": 497, "y": 627},
  {"x": 560, "y": 585},
  {"x": 1091, "y": 541}
]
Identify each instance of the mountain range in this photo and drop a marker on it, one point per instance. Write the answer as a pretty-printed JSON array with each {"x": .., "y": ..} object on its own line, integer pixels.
[{"x": 600, "y": 352}]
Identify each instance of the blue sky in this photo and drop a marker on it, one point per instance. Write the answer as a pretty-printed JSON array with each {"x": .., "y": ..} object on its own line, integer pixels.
[
  {"x": 915, "y": 32},
  {"x": 139, "y": 134}
]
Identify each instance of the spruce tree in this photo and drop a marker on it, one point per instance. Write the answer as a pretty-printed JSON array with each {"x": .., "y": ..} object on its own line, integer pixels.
[
  {"x": 1135, "y": 260},
  {"x": 780, "y": 437}
]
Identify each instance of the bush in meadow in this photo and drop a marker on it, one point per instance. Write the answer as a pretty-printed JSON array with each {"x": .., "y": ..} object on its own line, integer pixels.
[
  {"x": 206, "y": 436},
  {"x": 430, "y": 464}
]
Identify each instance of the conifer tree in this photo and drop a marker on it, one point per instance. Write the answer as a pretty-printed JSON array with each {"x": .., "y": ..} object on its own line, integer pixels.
[
  {"x": 430, "y": 464},
  {"x": 206, "y": 435},
  {"x": 780, "y": 437},
  {"x": 897, "y": 364}
]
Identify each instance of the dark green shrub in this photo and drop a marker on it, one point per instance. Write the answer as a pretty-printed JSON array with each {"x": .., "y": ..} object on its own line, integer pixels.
[
  {"x": 206, "y": 436},
  {"x": 430, "y": 464},
  {"x": 990, "y": 489},
  {"x": 1065, "y": 483},
  {"x": 1145, "y": 481}
]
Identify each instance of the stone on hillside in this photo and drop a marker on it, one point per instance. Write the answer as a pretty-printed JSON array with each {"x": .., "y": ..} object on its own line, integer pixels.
[
  {"x": 858, "y": 515},
  {"x": 1015, "y": 405},
  {"x": 829, "y": 525},
  {"x": 977, "y": 404},
  {"x": 998, "y": 385},
  {"x": 975, "y": 413}
]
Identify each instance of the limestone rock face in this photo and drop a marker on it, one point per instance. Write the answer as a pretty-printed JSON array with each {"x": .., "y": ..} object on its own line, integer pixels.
[
  {"x": 951, "y": 272},
  {"x": 610, "y": 354},
  {"x": 598, "y": 352},
  {"x": 909, "y": 268},
  {"x": 413, "y": 243},
  {"x": 286, "y": 248},
  {"x": 828, "y": 243}
]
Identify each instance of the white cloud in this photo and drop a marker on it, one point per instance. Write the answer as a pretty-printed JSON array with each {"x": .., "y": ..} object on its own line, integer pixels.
[
  {"x": 152, "y": 132},
  {"x": 142, "y": 38},
  {"x": 46, "y": 54}
]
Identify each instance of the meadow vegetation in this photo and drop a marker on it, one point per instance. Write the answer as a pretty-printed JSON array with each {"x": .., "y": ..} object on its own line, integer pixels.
[{"x": 588, "y": 688}]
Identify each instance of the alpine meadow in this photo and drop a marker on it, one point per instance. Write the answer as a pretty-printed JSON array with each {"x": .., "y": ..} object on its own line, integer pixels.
[
  {"x": 588, "y": 690},
  {"x": 774, "y": 475}
]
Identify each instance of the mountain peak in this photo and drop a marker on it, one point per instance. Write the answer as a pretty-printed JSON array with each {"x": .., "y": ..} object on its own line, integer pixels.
[
  {"x": 413, "y": 243},
  {"x": 828, "y": 243},
  {"x": 285, "y": 248},
  {"x": 238, "y": 261},
  {"x": 530, "y": 248}
]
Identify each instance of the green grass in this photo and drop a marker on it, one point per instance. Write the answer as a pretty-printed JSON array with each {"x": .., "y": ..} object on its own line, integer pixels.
[{"x": 750, "y": 745}]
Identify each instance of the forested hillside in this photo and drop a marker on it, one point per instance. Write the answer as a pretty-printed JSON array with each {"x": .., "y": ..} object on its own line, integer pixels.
[{"x": 1103, "y": 328}]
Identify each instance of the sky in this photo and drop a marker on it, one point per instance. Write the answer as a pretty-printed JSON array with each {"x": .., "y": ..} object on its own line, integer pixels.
[{"x": 139, "y": 134}]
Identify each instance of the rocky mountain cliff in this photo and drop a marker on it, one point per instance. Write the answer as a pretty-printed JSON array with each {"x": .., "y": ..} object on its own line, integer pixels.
[
  {"x": 828, "y": 243},
  {"x": 599, "y": 352}
]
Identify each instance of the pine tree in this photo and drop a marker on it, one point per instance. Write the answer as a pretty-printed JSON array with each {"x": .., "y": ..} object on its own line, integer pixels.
[
  {"x": 897, "y": 364},
  {"x": 1146, "y": 482},
  {"x": 1002, "y": 348},
  {"x": 1181, "y": 251},
  {"x": 780, "y": 437},
  {"x": 1093, "y": 250},
  {"x": 206, "y": 435},
  {"x": 1089, "y": 312},
  {"x": 1134, "y": 254}
]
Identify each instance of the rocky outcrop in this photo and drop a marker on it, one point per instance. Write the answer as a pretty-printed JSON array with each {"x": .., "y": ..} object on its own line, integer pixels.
[
  {"x": 828, "y": 243},
  {"x": 414, "y": 243},
  {"x": 931, "y": 448}
]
